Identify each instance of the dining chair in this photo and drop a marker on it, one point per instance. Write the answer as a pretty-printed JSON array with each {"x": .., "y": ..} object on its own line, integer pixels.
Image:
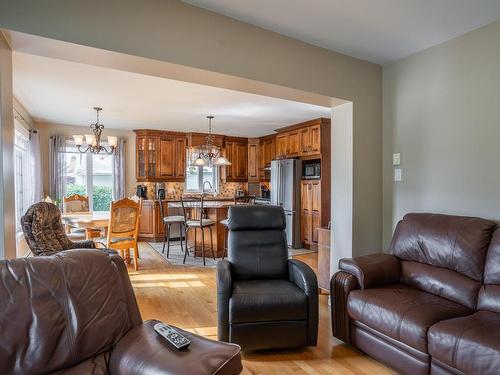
[
  {"x": 194, "y": 219},
  {"x": 168, "y": 221},
  {"x": 123, "y": 228},
  {"x": 77, "y": 203}
]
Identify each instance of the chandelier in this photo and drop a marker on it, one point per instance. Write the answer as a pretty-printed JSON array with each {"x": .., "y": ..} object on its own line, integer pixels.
[
  {"x": 209, "y": 154},
  {"x": 93, "y": 141}
]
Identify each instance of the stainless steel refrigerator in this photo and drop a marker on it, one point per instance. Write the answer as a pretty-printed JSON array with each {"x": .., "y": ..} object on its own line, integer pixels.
[{"x": 285, "y": 192}]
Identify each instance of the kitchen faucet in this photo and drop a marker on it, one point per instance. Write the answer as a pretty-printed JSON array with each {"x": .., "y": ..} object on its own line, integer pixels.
[{"x": 209, "y": 184}]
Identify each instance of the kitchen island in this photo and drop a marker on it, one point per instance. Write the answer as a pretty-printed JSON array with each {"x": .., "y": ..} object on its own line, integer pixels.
[
  {"x": 214, "y": 210},
  {"x": 151, "y": 227}
]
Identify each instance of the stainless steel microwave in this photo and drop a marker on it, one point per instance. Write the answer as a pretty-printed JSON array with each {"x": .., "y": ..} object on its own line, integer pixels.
[{"x": 311, "y": 170}]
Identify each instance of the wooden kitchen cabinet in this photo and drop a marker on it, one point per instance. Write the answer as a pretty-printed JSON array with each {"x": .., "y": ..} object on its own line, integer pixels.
[
  {"x": 267, "y": 153},
  {"x": 310, "y": 212},
  {"x": 253, "y": 160},
  {"x": 151, "y": 227},
  {"x": 160, "y": 156},
  {"x": 293, "y": 149},
  {"x": 302, "y": 139},
  {"x": 281, "y": 145},
  {"x": 315, "y": 131},
  {"x": 172, "y": 158},
  {"x": 237, "y": 153},
  {"x": 146, "y": 158}
]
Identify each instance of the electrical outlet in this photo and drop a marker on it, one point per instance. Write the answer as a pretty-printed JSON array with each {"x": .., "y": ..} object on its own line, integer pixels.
[{"x": 397, "y": 174}]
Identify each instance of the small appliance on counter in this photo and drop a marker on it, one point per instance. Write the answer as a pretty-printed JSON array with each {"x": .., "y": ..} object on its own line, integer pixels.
[
  {"x": 311, "y": 170},
  {"x": 160, "y": 192},
  {"x": 265, "y": 193},
  {"x": 142, "y": 191},
  {"x": 239, "y": 193}
]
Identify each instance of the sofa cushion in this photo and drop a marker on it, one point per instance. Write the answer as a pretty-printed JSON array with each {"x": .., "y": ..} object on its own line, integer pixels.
[
  {"x": 470, "y": 344},
  {"x": 402, "y": 313},
  {"x": 266, "y": 300},
  {"x": 441, "y": 282},
  {"x": 455, "y": 242}
]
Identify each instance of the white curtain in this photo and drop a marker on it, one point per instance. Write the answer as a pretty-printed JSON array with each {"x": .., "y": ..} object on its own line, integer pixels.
[
  {"x": 57, "y": 170},
  {"x": 36, "y": 167},
  {"x": 119, "y": 171}
]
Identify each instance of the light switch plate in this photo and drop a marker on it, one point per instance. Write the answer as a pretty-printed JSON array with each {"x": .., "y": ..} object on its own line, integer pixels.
[
  {"x": 396, "y": 159},
  {"x": 397, "y": 174}
]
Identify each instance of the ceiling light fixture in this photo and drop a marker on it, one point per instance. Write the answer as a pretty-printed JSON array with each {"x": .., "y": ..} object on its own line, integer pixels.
[
  {"x": 94, "y": 140},
  {"x": 209, "y": 154}
]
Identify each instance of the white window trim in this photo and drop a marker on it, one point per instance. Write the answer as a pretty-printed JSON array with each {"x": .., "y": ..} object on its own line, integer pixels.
[
  {"x": 89, "y": 176},
  {"x": 200, "y": 182}
]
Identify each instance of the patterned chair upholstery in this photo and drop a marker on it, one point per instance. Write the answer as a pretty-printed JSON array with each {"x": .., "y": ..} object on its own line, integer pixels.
[{"x": 44, "y": 231}]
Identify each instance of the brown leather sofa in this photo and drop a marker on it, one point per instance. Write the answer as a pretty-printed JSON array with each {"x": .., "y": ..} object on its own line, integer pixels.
[
  {"x": 432, "y": 306},
  {"x": 75, "y": 313}
]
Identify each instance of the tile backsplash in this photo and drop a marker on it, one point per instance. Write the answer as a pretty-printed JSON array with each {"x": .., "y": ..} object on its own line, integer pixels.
[{"x": 176, "y": 189}]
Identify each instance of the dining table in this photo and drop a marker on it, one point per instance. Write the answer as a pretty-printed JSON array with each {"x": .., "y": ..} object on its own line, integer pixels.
[{"x": 87, "y": 221}]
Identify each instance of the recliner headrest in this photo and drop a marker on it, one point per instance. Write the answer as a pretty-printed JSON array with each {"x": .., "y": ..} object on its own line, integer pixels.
[{"x": 254, "y": 217}]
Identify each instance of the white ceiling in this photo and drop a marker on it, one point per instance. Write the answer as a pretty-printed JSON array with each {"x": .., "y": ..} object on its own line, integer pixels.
[
  {"x": 64, "y": 92},
  {"x": 375, "y": 30}
]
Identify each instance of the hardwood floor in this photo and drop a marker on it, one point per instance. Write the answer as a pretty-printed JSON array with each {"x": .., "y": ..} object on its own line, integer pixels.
[{"x": 186, "y": 297}]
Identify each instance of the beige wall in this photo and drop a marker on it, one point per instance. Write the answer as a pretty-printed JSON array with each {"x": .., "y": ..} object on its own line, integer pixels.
[
  {"x": 442, "y": 112},
  {"x": 47, "y": 130},
  {"x": 7, "y": 205},
  {"x": 175, "y": 32}
]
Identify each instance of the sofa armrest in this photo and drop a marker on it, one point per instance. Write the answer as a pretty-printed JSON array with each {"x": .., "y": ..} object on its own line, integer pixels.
[
  {"x": 84, "y": 244},
  {"x": 143, "y": 352},
  {"x": 341, "y": 285},
  {"x": 372, "y": 270},
  {"x": 224, "y": 292},
  {"x": 304, "y": 277}
]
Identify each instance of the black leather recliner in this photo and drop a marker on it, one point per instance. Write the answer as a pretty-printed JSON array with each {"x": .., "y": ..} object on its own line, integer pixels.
[{"x": 264, "y": 300}]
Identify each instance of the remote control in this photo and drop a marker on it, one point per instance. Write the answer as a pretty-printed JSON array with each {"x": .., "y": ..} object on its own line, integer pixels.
[{"x": 172, "y": 336}]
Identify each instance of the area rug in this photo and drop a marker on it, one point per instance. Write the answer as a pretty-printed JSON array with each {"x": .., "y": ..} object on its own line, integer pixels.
[{"x": 176, "y": 255}]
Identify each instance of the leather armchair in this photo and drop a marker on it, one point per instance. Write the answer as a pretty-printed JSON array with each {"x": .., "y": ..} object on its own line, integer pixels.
[
  {"x": 75, "y": 313},
  {"x": 44, "y": 231},
  {"x": 264, "y": 300}
]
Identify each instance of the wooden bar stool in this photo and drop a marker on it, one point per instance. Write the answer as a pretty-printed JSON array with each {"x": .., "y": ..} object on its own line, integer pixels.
[
  {"x": 197, "y": 221},
  {"x": 168, "y": 221}
]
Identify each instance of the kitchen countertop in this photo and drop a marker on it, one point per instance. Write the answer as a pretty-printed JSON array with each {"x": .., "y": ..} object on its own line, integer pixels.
[{"x": 206, "y": 204}]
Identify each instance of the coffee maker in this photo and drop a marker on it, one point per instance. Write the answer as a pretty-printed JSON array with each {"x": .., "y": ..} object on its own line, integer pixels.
[
  {"x": 160, "y": 192},
  {"x": 142, "y": 191}
]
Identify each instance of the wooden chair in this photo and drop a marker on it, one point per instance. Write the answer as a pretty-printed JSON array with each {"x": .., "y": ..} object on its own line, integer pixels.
[
  {"x": 77, "y": 203},
  {"x": 123, "y": 228},
  {"x": 193, "y": 220}
]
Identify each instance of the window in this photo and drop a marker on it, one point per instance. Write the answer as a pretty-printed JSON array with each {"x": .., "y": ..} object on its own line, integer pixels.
[
  {"x": 89, "y": 174},
  {"x": 196, "y": 177},
  {"x": 22, "y": 179}
]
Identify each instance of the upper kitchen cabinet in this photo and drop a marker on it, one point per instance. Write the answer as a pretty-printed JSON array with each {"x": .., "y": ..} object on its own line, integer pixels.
[
  {"x": 253, "y": 160},
  {"x": 267, "y": 153},
  {"x": 146, "y": 150},
  {"x": 307, "y": 139},
  {"x": 281, "y": 145},
  {"x": 160, "y": 156},
  {"x": 172, "y": 161},
  {"x": 237, "y": 153}
]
